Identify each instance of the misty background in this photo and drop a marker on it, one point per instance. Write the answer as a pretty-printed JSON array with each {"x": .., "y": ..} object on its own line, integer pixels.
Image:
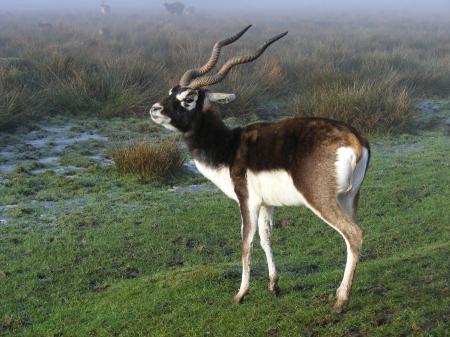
[{"x": 391, "y": 6}]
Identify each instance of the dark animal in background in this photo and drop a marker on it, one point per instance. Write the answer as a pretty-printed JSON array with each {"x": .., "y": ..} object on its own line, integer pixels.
[
  {"x": 176, "y": 8},
  {"x": 315, "y": 162}
]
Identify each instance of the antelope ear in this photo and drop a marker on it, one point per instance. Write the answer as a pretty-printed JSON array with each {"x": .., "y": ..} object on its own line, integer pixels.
[{"x": 220, "y": 98}]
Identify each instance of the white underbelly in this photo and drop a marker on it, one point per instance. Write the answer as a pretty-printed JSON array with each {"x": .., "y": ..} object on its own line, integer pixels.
[
  {"x": 274, "y": 188},
  {"x": 271, "y": 188}
]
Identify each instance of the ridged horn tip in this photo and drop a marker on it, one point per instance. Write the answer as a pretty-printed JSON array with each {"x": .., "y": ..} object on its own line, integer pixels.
[{"x": 279, "y": 36}]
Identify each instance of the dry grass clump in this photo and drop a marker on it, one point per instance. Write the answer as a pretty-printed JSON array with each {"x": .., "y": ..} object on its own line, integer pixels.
[
  {"x": 13, "y": 107},
  {"x": 377, "y": 107},
  {"x": 149, "y": 161},
  {"x": 14, "y": 99}
]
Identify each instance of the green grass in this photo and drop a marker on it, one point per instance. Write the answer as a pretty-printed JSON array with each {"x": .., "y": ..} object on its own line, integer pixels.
[
  {"x": 100, "y": 254},
  {"x": 86, "y": 251}
]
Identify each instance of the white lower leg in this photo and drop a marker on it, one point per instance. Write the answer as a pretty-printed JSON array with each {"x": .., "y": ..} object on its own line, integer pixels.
[
  {"x": 343, "y": 292},
  {"x": 247, "y": 242},
  {"x": 245, "y": 280},
  {"x": 265, "y": 233}
]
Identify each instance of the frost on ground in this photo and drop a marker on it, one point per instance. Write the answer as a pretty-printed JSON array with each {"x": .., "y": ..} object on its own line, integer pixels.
[{"x": 43, "y": 148}]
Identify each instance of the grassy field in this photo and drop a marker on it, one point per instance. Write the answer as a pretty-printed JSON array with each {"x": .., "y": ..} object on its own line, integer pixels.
[{"x": 88, "y": 251}]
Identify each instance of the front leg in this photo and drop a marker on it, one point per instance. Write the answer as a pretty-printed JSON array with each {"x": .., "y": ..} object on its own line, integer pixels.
[
  {"x": 249, "y": 214},
  {"x": 265, "y": 234}
]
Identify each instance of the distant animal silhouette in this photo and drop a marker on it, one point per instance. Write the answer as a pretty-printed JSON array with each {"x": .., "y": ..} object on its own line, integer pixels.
[{"x": 176, "y": 7}]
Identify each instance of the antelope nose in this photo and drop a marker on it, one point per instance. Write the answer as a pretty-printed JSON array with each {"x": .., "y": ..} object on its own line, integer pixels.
[{"x": 156, "y": 109}]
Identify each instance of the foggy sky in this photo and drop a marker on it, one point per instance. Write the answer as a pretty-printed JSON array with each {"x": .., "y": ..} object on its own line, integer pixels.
[{"x": 277, "y": 5}]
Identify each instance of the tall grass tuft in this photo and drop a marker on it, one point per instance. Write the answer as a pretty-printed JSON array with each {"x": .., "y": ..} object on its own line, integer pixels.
[
  {"x": 375, "y": 107},
  {"x": 13, "y": 107},
  {"x": 150, "y": 162}
]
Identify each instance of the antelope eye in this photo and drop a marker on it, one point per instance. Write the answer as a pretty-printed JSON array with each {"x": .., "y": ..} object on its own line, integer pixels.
[{"x": 188, "y": 100}]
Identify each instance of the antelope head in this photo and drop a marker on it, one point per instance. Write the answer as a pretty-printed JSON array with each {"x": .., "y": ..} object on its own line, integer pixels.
[{"x": 190, "y": 98}]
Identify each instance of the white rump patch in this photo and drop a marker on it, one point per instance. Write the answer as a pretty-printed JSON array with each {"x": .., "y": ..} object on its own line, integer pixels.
[
  {"x": 349, "y": 174},
  {"x": 274, "y": 188},
  {"x": 345, "y": 165}
]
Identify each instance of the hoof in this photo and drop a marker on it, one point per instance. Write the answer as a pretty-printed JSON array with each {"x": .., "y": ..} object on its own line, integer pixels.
[
  {"x": 238, "y": 299},
  {"x": 336, "y": 310},
  {"x": 339, "y": 307},
  {"x": 273, "y": 285},
  {"x": 274, "y": 289}
]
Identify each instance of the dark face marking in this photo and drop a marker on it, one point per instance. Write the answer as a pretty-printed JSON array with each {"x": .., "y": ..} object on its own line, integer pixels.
[{"x": 180, "y": 110}]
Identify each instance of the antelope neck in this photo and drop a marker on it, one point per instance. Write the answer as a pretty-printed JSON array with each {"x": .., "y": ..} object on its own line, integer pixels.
[{"x": 211, "y": 142}]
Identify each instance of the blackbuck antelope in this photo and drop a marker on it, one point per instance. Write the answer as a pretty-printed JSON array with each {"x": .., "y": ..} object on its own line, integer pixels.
[{"x": 316, "y": 162}]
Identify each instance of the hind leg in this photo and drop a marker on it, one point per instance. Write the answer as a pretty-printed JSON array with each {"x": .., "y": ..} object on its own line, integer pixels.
[
  {"x": 265, "y": 235},
  {"x": 349, "y": 203},
  {"x": 337, "y": 218}
]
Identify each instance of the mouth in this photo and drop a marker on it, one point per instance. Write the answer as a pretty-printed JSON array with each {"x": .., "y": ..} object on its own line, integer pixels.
[{"x": 160, "y": 119}]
